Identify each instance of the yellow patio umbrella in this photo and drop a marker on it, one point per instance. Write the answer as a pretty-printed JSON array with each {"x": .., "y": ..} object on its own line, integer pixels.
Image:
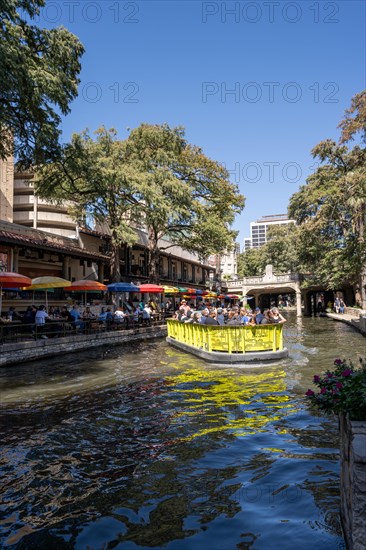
[
  {"x": 47, "y": 282},
  {"x": 170, "y": 289}
]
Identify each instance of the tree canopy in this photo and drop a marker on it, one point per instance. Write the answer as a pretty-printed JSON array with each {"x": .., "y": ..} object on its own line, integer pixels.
[
  {"x": 39, "y": 71},
  {"x": 330, "y": 209},
  {"x": 282, "y": 250},
  {"x": 154, "y": 180}
]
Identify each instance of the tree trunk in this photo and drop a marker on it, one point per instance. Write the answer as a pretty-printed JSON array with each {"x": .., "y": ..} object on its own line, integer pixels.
[
  {"x": 153, "y": 257},
  {"x": 114, "y": 263}
]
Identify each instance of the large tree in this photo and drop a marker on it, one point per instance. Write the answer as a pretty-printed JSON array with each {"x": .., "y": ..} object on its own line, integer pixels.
[
  {"x": 93, "y": 175},
  {"x": 154, "y": 180},
  {"x": 184, "y": 196},
  {"x": 330, "y": 209},
  {"x": 38, "y": 79}
]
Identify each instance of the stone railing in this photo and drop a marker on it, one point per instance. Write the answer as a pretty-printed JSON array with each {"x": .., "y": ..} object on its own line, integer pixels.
[{"x": 263, "y": 279}]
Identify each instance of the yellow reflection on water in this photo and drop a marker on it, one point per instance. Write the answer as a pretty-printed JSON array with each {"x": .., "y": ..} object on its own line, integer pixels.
[{"x": 224, "y": 400}]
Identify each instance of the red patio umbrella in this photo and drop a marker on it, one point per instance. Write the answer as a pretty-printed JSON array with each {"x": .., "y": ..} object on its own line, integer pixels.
[
  {"x": 151, "y": 288},
  {"x": 9, "y": 279}
]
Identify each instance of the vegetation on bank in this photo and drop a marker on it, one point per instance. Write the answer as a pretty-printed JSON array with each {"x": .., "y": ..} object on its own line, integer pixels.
[{"x": 341, "y": 390}]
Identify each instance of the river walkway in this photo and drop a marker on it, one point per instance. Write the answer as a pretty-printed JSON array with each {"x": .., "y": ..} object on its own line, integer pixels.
[{"x": 359, "y": 323}]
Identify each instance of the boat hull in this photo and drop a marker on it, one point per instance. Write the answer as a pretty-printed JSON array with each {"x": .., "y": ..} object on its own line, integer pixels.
[{"x": 229, "y": 358}]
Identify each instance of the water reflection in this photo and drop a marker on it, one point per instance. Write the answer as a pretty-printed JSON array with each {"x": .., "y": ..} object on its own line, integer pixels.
[{"x": 151, "y": 447}]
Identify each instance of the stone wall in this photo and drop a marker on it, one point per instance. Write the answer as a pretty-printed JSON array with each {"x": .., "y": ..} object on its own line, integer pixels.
[
  {"x": 20, "y": 352},
  {"x": 353, "y": 482}
]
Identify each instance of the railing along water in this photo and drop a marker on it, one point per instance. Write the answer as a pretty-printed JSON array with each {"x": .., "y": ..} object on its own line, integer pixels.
[{"x": 227, "y": 339}]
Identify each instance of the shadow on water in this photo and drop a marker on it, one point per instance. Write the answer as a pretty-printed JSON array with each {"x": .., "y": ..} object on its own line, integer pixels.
[{"x": 151, "y": 447}]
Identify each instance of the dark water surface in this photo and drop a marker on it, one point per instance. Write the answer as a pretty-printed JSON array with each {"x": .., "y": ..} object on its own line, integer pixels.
[{"x": 148, "y": 447}]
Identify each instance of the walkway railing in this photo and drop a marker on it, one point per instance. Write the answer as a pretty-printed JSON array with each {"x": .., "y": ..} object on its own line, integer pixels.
[
  {"x": 229, "y": 339},
  {"x": 58, "y": 328}
]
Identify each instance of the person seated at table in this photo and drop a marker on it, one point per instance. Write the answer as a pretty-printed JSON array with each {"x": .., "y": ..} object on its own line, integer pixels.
[
  {"x": 88, "y": 315},
  {"x": 120, "y": 317},
  {"x": 51, "y": 311},
  {"x": 76, "y": 316},
  {"x": 105, "y": 316},
  {"x": 65, "y": 314},
  {"x": 30, "y": 315},
  {"x": 40, "y": 320},
  {"x": 152, "y": 305},
  {"x": 14, "y": 315},
  {"x": 146, "y": 315}
]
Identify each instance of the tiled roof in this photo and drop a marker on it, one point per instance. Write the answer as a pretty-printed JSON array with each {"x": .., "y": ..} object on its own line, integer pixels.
[{"x": 45, "y": 244}]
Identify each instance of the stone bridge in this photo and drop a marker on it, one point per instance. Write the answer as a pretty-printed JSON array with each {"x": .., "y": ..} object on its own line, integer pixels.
[{"x": 269, "y": 283}]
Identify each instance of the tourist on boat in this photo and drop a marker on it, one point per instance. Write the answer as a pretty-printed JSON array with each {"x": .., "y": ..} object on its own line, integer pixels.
[
  {"x": 259, "y": 316},
  {"x": 211, "y": 319},
  {"x": 244, "y": 316},
  {"x": 204, "y": 315},
  {"x": 276, "y": 316},
  {"x": 183, "y": 315},
  {"x": 195, "y": 318},
  {"x": 267, "y": 319},
  {"x": 220, "y": 317},
  {"x": 234, "y": 318}
]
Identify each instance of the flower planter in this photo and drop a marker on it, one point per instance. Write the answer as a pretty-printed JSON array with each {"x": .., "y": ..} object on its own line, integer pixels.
[{"x": 353, "y": 481}]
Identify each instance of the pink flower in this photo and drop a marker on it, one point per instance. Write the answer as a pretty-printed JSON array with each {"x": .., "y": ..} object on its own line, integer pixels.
[
  {"x": 310, "y": 393},
  {"x": 316, "y": 379},
  {"x": 330, "y": 375},
  {"x": 338, "y": 362},
  {"x": 339, "y": 385},
  {"x": 323, "y": 390},
  {"x": 347, "y": 372}
]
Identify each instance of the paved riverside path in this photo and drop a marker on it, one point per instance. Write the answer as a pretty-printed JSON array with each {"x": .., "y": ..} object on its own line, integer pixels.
[{"x": 351, "y": 320}]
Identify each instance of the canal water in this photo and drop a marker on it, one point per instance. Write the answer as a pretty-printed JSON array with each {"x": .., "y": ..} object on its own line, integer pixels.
[{"x": 148, "y": 447}]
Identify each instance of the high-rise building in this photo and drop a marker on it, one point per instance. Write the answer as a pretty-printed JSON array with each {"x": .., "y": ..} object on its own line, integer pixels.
[{"x": 259, "y": 229}]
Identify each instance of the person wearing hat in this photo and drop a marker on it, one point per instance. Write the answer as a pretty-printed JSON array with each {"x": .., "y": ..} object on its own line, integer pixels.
[{"x": 259, "y": 316}]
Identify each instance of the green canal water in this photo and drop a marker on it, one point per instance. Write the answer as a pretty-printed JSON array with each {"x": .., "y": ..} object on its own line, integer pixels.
[{"x": 148, "y": 447}]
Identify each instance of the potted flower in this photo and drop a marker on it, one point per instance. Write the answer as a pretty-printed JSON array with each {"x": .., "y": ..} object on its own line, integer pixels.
[{"x": 342, "y": 391}]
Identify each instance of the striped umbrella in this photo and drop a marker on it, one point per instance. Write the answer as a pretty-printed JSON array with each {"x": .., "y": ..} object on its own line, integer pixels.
[
  {"x": 86, "y": 285},
  {"x": 9, "y": 279},
  {"x": 47, "y": 282}
]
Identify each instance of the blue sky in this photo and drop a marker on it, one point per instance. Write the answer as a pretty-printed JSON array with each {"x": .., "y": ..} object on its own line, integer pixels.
[{"x": 256, "y": 84}]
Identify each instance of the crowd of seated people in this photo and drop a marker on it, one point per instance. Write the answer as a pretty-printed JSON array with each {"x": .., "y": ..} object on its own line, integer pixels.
[{"x": 231, "y": 316}]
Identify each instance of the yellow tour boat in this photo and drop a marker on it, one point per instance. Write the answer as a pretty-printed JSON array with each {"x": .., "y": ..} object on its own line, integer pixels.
[{"x": 228, "y": 344}]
